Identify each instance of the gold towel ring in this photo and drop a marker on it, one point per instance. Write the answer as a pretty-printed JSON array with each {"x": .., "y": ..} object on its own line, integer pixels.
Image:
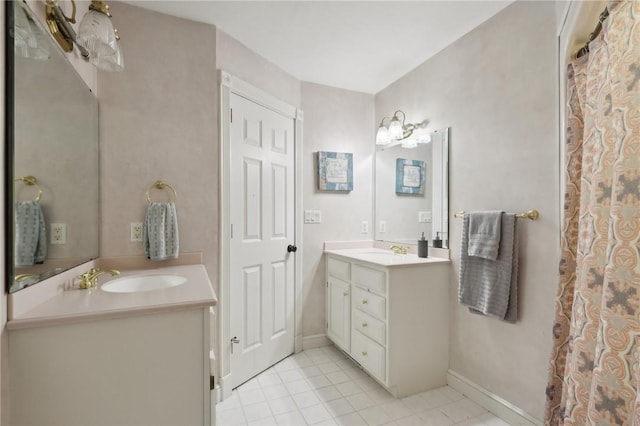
[
  {"x": 31, "y": 181},
  {"x": 161, "y": 185}
]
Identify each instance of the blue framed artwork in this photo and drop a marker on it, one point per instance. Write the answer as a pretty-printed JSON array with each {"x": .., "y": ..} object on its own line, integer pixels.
[
  {"x": 335, "y": 171},
  {"x": 410, "y": 176}
]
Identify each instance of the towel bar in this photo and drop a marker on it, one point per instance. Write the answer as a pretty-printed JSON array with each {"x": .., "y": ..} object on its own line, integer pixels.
[
  {"x": 31, "y": 181},
  {"x": 531, "y": 214},
  {"x": 161, "y": 185}
]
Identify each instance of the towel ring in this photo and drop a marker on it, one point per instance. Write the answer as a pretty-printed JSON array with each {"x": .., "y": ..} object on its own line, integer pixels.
[
  {"x": 162, "y": 185},
  {"x": 31, "y": 181}
]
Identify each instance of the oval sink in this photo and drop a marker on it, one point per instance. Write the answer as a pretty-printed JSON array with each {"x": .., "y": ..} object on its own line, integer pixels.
[{"x": 141, "y": 283}]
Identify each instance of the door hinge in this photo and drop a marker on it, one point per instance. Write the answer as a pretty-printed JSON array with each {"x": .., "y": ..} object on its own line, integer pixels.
[
  {"x": 231, "y": 114},
  {"x": 231, "y": 230},
  {"x": 212, "y": 382},
  {"x": 327, "y": 284}
]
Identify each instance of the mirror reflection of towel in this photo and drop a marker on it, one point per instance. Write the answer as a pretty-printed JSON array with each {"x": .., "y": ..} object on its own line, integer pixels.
[
  {"x": 160, "y": 231},
  {"x": 30, "y": 234}
]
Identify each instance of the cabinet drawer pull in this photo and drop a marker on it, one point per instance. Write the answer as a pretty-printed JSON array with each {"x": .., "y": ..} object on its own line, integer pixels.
[
  {"x": 365, "y": 301},
  {"x": 364, "y": 353},
  {"x": 345, "y": 294},
  {"x": 364, "y": 324}
]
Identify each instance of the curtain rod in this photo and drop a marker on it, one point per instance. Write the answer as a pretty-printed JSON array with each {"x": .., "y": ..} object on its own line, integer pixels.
[{"x": 585, "y": 49}]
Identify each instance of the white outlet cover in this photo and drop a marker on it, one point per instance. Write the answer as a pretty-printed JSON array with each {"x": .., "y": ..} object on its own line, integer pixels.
[
  {"x": 382, "y": 226},
  {"x": 58, "y": 233},
  {"x": 365, "y": 227},
  {"x": 136, "y": 232}
]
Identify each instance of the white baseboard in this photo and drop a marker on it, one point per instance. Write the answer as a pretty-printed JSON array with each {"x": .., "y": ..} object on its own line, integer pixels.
[
  {"x": 498, "y": 406},
  {"x": 315, "y": 341}
]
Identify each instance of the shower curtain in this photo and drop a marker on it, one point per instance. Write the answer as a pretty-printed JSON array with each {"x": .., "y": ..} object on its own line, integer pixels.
[{"x": 595, "y": 362}]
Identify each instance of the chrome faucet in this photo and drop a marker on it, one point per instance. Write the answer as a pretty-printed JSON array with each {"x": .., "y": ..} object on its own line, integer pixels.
[
  {"x": 399, "y": 249},
  {"x": 90, "y": 278}
]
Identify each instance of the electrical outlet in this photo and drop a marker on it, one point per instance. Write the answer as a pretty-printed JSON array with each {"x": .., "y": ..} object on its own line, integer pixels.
[
  {"x": 136, "y": 232},
  {"x": 365, "y": 227},
  {"x": 382, "y": 226},
  {"x": 58, "y": 233}
]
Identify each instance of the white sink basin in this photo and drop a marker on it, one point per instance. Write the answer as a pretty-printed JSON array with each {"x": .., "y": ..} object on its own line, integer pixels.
[{"x": 142, "y": 283}]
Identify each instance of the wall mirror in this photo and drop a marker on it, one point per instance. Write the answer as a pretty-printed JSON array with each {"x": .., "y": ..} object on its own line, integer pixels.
[
  {"x": 52, "y": 184},
  {"x": 412, "y": 191}
]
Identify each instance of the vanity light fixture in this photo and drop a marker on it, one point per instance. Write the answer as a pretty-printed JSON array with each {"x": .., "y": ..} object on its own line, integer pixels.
[
  {"x": 398, "y": 132},
  {"x": 96, "y": 40}
]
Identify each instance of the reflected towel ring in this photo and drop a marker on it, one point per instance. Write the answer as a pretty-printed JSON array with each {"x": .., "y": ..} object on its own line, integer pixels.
[
  {"x": 31, "y": 181},
  {"x": 161, "y": 185}
]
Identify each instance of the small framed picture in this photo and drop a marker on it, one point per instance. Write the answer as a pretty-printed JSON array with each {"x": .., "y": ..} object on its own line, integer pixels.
[
  {"x": 335, "y": 171},
  {"x": 410, "y": 176}
]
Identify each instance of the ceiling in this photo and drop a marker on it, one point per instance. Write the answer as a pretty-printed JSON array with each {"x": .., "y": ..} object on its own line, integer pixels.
[{"x": 356, "y": 45}]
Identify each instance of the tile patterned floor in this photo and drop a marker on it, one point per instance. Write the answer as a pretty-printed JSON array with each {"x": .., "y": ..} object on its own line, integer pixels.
[{"x": 322, "y": 387}]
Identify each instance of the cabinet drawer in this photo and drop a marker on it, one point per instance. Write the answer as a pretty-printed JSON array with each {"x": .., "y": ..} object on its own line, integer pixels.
[
  {"x": 370, "y": 355},
  {"x": 370, "y": 326},
  {"x": 370, "y": 278},
  {"x": 338, "y": 268},
  {"x": 370, "y": 303}
]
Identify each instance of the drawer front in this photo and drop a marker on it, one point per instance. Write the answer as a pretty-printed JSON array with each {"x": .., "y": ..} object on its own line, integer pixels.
[
  {"x": 369, "y": 326},
  {"x": 339, "y": 268},
  {"x": 370, "y": 355},
  {"x": 370, "y": 303},
  {"x": 370, "y": 278}
]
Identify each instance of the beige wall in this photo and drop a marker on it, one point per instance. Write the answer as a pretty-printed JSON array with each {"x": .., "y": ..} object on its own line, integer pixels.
[
  {"x": 158, "y": 120},
  {"x": 496, "y": 88},
  {"x": 343, "y": 121},
  {"x": 238, "y": 60}
]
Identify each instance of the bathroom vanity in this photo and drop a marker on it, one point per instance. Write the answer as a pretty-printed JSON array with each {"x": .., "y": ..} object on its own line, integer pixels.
[
  {"x": 389, "y": 313},
  {"x": 104, "y": 358}
]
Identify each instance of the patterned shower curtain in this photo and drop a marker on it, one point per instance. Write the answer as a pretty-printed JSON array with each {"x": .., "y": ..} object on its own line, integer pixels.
[{"x": 595, "y": 363}]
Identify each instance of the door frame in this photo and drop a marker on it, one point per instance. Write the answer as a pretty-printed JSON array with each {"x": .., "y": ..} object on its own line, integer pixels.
[{"x": 228, "y": 84}]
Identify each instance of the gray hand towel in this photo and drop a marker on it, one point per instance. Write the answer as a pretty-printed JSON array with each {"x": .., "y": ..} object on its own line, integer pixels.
[
  {"x": 484, "y": 234},
  {"x": 491, "y": 287},
  {"x": 160, "y": 231},
  {"x": 30, "y": 234}
]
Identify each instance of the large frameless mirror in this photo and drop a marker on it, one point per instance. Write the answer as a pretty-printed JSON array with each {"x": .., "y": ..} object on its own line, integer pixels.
[
  {"x": 53, "y": 181},
  {"x": 412, "y": 192}
]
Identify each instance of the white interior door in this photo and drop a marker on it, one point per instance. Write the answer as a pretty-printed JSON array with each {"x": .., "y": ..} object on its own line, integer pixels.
[{"x": 262, "y": 220}]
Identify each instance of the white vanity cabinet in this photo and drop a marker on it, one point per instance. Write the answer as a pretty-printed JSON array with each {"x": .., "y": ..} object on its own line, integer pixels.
[
  {"x": 396, "y": 326},
  {"x": 150, "y": 369}
]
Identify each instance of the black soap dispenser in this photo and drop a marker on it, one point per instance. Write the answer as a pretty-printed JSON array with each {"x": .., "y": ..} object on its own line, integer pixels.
[
  {"x": 437, "y": 241},
  {"x": 423, "y": 247}
]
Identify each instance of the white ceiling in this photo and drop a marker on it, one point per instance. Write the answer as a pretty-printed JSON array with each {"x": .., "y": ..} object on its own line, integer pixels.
[{"x": 357, "y": 45}]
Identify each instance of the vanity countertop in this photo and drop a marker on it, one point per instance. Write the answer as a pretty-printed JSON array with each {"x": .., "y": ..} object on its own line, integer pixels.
[
  {"x": 385, "y": 258},
  {"x": 77, "y": 305}
]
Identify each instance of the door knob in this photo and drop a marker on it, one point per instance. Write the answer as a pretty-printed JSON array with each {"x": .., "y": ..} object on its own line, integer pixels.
[{"x": 292, "y": 248}]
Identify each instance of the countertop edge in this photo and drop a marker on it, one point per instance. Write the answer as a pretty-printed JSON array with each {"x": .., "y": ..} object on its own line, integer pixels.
[
  {"x": 435, "y": 261},
  {"x": 21, "y": 324}
]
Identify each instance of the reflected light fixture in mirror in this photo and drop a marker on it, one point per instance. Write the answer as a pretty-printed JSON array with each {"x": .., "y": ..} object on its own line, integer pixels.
[
  {"x": 96, "y": 39},
  {"x": 28, "y": 38},
  {"x": 397, "y": 132}
]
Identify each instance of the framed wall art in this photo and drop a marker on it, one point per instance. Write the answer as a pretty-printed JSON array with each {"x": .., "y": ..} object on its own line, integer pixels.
[
  {"x": 335, "y": 171},
  {"x": 410, "y": 176}
]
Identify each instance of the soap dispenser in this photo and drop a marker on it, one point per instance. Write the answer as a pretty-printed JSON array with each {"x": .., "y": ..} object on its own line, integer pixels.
[
  {"x": 437, "y": 241},
  {"x": 423, "y": 247}
]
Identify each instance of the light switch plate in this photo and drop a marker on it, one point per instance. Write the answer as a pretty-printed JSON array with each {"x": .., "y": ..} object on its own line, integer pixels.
[
  {"x": 382, "y": 226},
  {"x": 424, "y": 217},
  {"x": 312, "y": 216}
]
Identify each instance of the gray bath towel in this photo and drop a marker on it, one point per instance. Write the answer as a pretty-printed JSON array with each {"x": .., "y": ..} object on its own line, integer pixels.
[
  {"x": 484, "y": 234},
  {"x": 160, "y": 231},
  {"x": 490, "y": 287},
  {"x": 30, "y": 234}
]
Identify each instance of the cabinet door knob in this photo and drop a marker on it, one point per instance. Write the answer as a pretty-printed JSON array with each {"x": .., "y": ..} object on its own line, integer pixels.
[
  {"x": 364, "y": 353},
  {"x": 365, "y": 301},
  {"x": 364, "y": 324}
]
